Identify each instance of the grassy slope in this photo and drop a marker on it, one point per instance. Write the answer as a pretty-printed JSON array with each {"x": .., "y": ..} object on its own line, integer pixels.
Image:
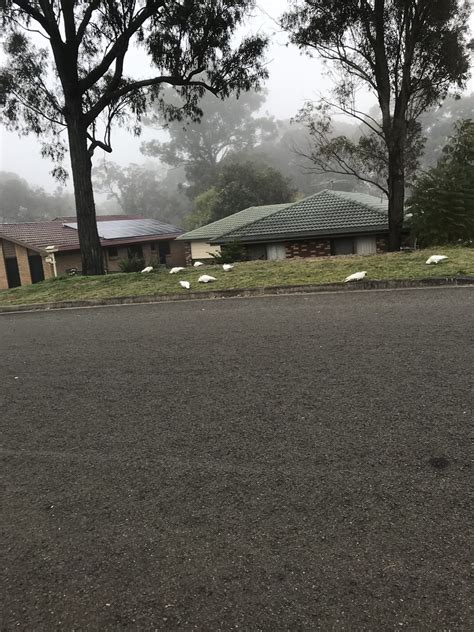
[{"x": 247, "y": 275}]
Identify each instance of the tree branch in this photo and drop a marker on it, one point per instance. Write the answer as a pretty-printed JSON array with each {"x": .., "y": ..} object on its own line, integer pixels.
[
  {"x": 325, "y": 166},
  {"x": 322, "y": 171},
  {"x": 106, "y": 99},
  {"x": 341, "y": 56},
  {"x": 141, "y": 17},
  {"x": 26, "y": 7},
  {"x": 50, "y": 19},
  {"x": 97, "y": 143},
  {"x": 25, "y": 28},
  {"x": 36, "y": 111},
  {"x": 69, "y": 20},
  {"x": 355, "y": 114},
  {"x": 86, "y": 19}
]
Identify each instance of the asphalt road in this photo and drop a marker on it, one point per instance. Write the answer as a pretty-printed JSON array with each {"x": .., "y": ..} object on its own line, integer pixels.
[{"x": 282, "y": 463}]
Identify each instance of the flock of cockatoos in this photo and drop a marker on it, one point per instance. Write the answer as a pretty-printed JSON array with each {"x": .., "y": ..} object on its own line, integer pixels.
[
  {"x": 358, "y": 276},
  {"x": 204, "y": 278},
  {"x": 227, "y": 267}
]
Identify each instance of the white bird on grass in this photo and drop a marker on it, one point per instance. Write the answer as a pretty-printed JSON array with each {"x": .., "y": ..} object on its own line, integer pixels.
[
  {"x": 227, "y": 266},
  {"x": 436, "y": 259},
  {"x": 357, "y": 276},
  {"x": 185, "y": 284},
  {"x": 205, "y": 278},
  {"x": 147, "y": 269},
  {"x": 198, "y": 263},
  {"x": 175, "y": 270}
]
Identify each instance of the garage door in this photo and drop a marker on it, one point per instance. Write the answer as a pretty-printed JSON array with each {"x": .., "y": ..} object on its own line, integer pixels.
[{"x": 365, "y": 245}]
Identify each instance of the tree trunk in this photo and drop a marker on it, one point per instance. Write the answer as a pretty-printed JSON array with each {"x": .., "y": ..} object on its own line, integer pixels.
[
  {"x": 396, "y": 193},
  {"x": 396, "y": 202},
  {"x": 91, "y": 251}
]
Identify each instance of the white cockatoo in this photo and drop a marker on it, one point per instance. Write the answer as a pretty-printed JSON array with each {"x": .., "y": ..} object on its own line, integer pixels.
[
  {"x": 175, "y": 270},
  {"x": 357, "y": 276},
  {"x": 205, "y": 278},
  {"x": 147, "y": 269},
  {"x": 185, "y": 284},
  {"x": 198, "y": 263},
  {"x": 436, "y": 259},
  {"x": 227, "y": 266}
]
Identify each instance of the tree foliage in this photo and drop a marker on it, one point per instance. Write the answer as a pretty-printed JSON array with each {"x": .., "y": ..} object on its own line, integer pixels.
[
  {"x": 226, "y": 128},
  {"x": 204, "y": 204},
  {"x": 362, "y": 154},
  {"x": 442, "y": 202},
  {"x": 241, "y": 185},
  {"x": 142, "y": 190},
  {"x": 437, "y": 125},
  {"x": 21, "y": 202},
  {"x": 408, "y": 53},
  {"x": 75, "y": 80}
]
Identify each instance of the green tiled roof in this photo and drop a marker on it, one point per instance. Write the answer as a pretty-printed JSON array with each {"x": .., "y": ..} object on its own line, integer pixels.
[
  {"x": 325, "y": 213},
  {"x": 232, "y": 222}
]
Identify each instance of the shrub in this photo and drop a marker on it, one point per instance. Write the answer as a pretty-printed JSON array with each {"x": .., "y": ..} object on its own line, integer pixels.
[
  {"x": 442, "y": 202},
  {"x": 234, "y": 251},
  {"x": 134, "y": 264}
]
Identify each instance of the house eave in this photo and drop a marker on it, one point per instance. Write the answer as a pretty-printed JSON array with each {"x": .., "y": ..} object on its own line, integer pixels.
[
  {"x": 366, "y": 230},
  {"x": 40, "y": 250}
]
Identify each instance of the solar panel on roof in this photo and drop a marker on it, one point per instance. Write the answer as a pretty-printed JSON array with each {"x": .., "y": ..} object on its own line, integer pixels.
[{"x": 123, "y": 228}]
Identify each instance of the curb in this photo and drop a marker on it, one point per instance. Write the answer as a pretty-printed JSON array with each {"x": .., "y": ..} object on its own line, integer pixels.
[{"x": 242, "y": 293}]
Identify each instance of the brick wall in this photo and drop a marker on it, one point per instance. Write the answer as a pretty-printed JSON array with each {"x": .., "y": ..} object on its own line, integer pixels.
[
  {"x": 150, "y": 256},
  {"x": 3, "y": 270},
  {"x": 147, "y": 254},
  {"x": 23, "y": 264},
  {"x": 187, "y": 254},
  {"x": 112, "y": 265},
  {"x": 309, "y": 248},
  {"x": 66, "y": 260},
  {"x": 8, "y": 248}
]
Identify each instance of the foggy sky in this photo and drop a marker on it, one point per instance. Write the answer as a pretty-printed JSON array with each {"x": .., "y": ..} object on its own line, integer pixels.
[{"x": 293, "y": 79}]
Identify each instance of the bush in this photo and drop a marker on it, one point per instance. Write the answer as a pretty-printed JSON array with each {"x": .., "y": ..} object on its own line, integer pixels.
[
  {"x": 134, "y": 264},
  {"x": 234, "y": 251},
  {"x": 442, "y": 202},
  {"x": 154, "y": 262}
]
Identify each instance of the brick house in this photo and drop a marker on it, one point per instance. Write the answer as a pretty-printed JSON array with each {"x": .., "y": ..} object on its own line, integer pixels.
[
  {"x": 198, "y": 241},
  {"x": 324, "y": 224},
  {"x": 23, "y": 246},
  {"x": 327, "y": 223}
]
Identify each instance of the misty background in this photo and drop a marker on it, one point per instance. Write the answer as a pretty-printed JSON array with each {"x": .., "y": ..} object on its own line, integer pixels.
[{"x": 170, "y": 173}]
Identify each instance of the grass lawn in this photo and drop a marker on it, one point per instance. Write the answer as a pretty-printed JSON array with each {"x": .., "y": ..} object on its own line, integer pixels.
[{"x": 252, "y": 274}]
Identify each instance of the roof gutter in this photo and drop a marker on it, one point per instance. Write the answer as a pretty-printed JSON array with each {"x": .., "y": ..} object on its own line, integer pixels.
[{"x": 301, "y": 235}]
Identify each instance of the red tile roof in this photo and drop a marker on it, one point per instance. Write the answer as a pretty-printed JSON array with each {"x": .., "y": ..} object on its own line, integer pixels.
[
  {"x": 100, "y": 218},
  {"x": 38, "y": 235},
  {"x": 42, "y": 234}
]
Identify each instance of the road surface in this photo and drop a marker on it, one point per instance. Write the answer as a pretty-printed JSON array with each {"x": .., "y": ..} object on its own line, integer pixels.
[{"x": 281, "y": 463}]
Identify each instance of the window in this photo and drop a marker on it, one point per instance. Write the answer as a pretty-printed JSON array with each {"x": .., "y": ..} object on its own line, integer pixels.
[
  {"x": 343, "y": 246},
  {"x": 153, "y": 246},
  {"x": 163, "y": 250},
  {"x": 113, "y": 252},
  {"x": 135, "y": 251}
]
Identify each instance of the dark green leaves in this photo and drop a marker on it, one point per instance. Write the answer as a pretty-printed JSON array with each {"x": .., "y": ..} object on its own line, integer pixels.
[{"x": 442, "y": 202}]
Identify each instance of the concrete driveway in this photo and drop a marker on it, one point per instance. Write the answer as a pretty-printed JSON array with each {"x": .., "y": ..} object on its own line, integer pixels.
[{"x": 281, "y": 463}]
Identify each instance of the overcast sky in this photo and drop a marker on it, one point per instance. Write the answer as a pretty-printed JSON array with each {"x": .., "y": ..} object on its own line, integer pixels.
[{"x": 293, "y": 79}]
